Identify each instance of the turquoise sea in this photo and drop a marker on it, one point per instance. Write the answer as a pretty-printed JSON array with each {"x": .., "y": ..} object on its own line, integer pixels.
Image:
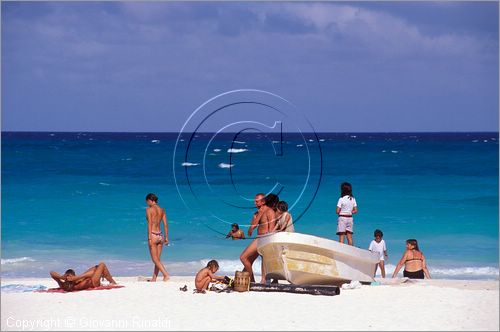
[{"x": 73, "y": 199}]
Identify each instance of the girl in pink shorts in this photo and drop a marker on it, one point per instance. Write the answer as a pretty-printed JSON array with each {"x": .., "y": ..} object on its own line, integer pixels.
[{"x": 346, "y": 207}]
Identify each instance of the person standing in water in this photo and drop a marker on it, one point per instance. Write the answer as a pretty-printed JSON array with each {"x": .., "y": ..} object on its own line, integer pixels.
[
  {"x": 346, "y": 207},
  {"x": 154, "y": 215}
]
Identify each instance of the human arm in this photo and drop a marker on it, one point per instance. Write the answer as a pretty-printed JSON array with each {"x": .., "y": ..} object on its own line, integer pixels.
[
  {"x": 424, "y": 267},
  {"x": 255, "y": 221},
  {"x": 271, "y": 219},
  {"x": 214, "y": 277},
  {"x": 165, "y": 226},
  {"x": 354, "y": 209},
  {"x": 242, "y": 234},
  {"x": 400, "y": 264},
  {"x": 148, "y": 218},
  {"x": 60, "y": 279}
]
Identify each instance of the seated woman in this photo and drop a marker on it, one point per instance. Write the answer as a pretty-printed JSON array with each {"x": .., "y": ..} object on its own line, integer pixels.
[
  {"x": 69, "y": 281},
  {"x": 414, "y": 261},
  {"x": 235, "y": 233}
]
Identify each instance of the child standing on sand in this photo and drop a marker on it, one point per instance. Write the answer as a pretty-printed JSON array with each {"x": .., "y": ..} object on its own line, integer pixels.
[
  {"x": 346, "y": 207},
  {"x": 206, "y": 275},
  {"x": 378, "y": 246}
]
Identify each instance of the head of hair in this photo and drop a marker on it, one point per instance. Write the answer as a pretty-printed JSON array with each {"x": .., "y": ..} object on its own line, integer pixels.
[
  {"x": 271, "y": 200},
  {"x": 378, "y": 232},
  {"x": 235, "y": 225},
  {"x": 213, "y": 263},
  {"x": 282, "y": 206},
  {"x": 152, "y": 197},
  {"x": 345, "y": 189},
  {"x": 414, "y": 243},
  {"x": 70, "y": 272}
]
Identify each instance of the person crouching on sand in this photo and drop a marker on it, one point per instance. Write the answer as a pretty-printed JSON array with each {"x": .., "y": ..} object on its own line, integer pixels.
[
  {"x": 91, "y": 278},
  {"x": 206, "y": 275}
]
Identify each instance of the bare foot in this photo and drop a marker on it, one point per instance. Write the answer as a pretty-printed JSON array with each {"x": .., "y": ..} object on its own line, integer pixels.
[{"x": 165, "y": 278}]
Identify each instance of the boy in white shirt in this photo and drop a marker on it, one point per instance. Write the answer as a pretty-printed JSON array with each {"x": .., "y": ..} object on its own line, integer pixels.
[{"x": 378, "y": 246}]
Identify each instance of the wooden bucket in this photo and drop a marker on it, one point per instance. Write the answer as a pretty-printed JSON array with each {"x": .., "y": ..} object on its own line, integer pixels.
[{"x": 241, "y": 281}]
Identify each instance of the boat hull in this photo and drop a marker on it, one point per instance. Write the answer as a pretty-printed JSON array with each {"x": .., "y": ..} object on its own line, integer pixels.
[{"x": 303, "y": 259}]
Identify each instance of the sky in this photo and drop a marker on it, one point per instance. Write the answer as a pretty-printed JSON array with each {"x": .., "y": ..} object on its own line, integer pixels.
[{"x": 346, "y": 66}]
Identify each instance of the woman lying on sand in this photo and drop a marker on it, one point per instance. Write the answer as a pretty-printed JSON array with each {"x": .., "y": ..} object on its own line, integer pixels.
[{"x": 91, "y": 278}]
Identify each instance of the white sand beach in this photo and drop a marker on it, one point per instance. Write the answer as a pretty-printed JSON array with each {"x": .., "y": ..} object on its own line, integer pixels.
[{"x": 423, "y": 305}]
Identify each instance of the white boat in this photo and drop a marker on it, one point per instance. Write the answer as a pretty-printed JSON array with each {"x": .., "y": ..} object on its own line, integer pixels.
[{"x": 303, "y": 259}]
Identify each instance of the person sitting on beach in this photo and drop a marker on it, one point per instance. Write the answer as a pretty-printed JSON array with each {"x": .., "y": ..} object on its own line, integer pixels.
[
  {"x": 414, "y": 261},
  {"x": 206, "y": 275},
  {"x": 91, "y": 278},
  {"x": 284, "y": 222},
  {"x": 235, "y": 233},
  {"x": 264, "y": 219},
  {"x": 378, "y": 246},
  {"x": 346, "y": 207}
]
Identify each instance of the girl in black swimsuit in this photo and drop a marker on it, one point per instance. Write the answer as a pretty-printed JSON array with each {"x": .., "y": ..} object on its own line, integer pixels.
[{"x": 414, "y": 262}]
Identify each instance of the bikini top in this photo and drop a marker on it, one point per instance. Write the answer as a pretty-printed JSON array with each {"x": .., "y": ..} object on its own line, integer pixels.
[{"x": 415, "y": 259}]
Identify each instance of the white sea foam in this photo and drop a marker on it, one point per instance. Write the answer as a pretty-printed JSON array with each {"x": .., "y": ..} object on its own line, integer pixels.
[
  {"x": 322, "y": 140},
  {"x": 394, "y": 151},
  {"x": 104, "y": 184},
  {"x": 239, "y": 142},
  {"x": 467, "y": 272},
  {"x": 224, "y": 165},
  {"x": 189, "y": 164},
  {"x": 300, "y": 145},
  {"x": 353, "y": 136},
  {"x": 311, "y": 140},
  {"x": 6, "y": 261},
  {"x": 155, "y": 141},
  {"x": 236, "y": 150},
  {"x": 217, "y": 150}
]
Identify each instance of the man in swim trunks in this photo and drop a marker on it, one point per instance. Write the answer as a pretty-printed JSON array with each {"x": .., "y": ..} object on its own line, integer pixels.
[
  {"x": 91, "y": 278},
  {"x": 264, "y": 219}
]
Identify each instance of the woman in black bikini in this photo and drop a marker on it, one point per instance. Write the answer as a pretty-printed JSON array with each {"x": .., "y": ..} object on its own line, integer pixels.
[{"x": 414, "y": 262}]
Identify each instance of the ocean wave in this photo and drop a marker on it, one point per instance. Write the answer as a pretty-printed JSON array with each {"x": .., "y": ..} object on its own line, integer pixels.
[
  {"x": 7, "y": 261},
  {"x": 236, "y": 150},
  {"x": 217, "y": 150},
  {"x": 394, "y": 151},
  {"x": 104, "y": 184},
  {"x": 224, "y": 165},
  {"x": 189, "y": 164},
  {"x": 239, "y": 142},
  {"x": 155, "y": 141},
  {"x": 466, "y": 272},
  {"x": 300, "y": 145}
]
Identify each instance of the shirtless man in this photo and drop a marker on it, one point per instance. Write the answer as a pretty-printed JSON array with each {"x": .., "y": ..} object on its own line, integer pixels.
[
  {"x": 264, "y": 219},
  {"x": 155, "y": 214},
  {"x": 91, "y": 278}
]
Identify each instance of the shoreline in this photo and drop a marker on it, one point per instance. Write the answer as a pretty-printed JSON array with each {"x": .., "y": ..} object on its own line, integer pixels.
[{"x": 440, "y": 305}]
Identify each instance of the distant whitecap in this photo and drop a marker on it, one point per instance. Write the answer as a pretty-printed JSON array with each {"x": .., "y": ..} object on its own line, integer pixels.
[
  {"x": 224, "y": 165},
  {"x": 394, "y": 151},
  {"x": 217, "y": 150},
  {"x": 189, "y": 164},
  {"x": 475, "y": 141},
  {"x": 311, "y": 140},
  {"x": 322, "y": 140},
  {"x": 155, "y": 141},
  {"x": 104, "y": 184},
  {"x": 239, "y": 142},
  {"x": 300, "y": 145},
  {"x": 236, "y": 150}
]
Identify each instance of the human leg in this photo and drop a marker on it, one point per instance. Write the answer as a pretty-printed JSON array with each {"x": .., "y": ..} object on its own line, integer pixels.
[
  {"x": 248, "y": 256},
  {"x": 153, "y": 250},
  {"x": 382, "y": 268}
]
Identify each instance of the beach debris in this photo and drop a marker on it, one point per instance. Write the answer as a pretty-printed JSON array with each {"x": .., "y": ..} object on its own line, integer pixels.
[
  {"x": 297, "y": 289},
  {"x": 352, "y": 285},
  {"x": 183, "y": 289}
]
